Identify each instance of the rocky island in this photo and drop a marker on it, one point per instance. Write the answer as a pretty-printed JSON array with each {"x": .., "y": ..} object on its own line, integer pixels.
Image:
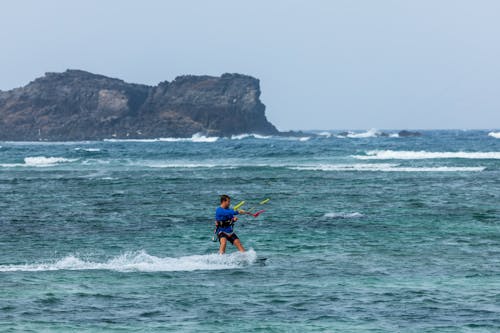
[{"x": 78, "y": 105}]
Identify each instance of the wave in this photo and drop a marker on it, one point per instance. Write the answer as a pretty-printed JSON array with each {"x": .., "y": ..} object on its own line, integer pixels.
[
  {"x": 384, "y": 167},
  {"x": 372, "y": 133},
  {"x": 494, "y": 134},
  {"x": 416, "y": 155},
  {"x": 342, "y": 215},
  {"x": 267, "y": 137},
  {"x": 318, "y": 167},
  {"x": 39, "y": 161},
  {"x": 253, "y": 136},
  {"x": 368, "y": 134},
  {"x": 47, "y": 143},
  {"x": 195, "y": 138},
  {"x": 325, "y": 134},
  {"x": 42, "y": 161},
  {"x": 141, "y": 261},
  {"x": 437, "y": 169},
  {"x": 344, "y": 167},
  {"x": 90, "y": 150},
  {"x": 186, "y": 165}
]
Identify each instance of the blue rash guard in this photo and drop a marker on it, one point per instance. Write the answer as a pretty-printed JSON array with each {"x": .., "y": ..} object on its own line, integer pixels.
[{"x": 222, "y": 215}]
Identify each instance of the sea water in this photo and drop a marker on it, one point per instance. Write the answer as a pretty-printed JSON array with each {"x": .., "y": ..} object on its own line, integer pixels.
[{"x": 362, "y": 234}]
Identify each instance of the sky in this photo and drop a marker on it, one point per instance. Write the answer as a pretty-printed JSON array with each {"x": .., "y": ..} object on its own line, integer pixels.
[{"x": 421, "y": 64}]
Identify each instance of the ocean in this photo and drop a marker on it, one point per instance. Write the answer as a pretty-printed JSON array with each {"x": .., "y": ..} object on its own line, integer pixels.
[{"x": 363, "y": 233}]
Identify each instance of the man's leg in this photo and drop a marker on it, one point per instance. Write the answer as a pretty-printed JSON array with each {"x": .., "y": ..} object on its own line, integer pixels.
[
  {"x": 238, "y": 244},
  {"x": 222, "y": 247}
]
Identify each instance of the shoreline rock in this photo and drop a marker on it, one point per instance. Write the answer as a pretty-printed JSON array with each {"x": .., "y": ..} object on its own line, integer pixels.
[
  {"x": 78, "y": 105},
  {"x": 406, "y": 134}
]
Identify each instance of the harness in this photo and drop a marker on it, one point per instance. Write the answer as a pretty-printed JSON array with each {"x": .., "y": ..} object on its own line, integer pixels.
[{"x": 225, "y": 223}]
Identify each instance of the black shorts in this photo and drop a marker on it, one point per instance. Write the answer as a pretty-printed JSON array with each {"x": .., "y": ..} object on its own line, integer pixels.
[{"x": 232, "y": 237}]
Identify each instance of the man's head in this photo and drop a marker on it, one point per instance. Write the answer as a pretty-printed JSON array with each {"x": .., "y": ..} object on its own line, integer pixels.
[{"x": 225, "y": 201}]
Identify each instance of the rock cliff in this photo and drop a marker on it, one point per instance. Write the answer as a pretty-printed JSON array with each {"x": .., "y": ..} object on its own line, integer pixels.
[{"x": 77, "y": 105}]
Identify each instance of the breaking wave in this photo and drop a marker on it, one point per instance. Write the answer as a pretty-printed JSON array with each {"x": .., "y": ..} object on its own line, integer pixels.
[
  {"x": 90, "y": 150},
  {"x": 202, "y": 138},
  {"x": 254, "y": 136},
  {"x": 267, "y": 137},
  {"x": 141, "y": 261},
  {"x": 368, "y": 134},
  {"x": 416, "y": 155},
  {"x": 194, "y": 138},
  {"x": 494, "y": 135},
  {"x": 39, "y": 161},
  {"x": 372, "y": 133},
  {"x": 325, "y": 134}
]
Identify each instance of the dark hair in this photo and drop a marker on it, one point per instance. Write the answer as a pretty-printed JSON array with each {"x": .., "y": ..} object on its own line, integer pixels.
[{"x": 224, "y": 197}]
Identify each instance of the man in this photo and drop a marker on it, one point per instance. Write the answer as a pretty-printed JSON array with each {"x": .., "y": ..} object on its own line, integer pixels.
[{"x": 224, "y": 220}]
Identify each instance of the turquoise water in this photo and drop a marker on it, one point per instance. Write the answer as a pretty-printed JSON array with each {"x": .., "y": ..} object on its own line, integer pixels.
[{"x": 362, "y": 234}]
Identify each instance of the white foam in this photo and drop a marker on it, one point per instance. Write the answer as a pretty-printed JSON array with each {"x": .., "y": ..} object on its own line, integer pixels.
[
  {"x": 342, "y": 215},
  {"x": 133, "y": 140},
  {"x": 42, "y": 161},
  {"x": 494, "y": 135},
  {"x": 294, "y": 138},
  {"x": 344, "y": 167},
  {"x": 88, "y": 149},
  {"x": 202, "y": 138},
  {"x": 141, "y": 261},
  {"x": 258, "y": 136},
  {"x": 384, "y": 167},
  {"x": 208, "y": 164},
  {"x": 241, "y": 136},
  {"x": 46, "y": 143},
  {"x": 184, "y": 165},
  {"x": 438, "y": 169},
  {"x": 368, "y": 134},
  {"x": 195, "y": 138},
  {"x": 416, "y": 155},
  {"x": 39, "y": 162},
  {"x": 91, "y": 161},
  {"x": 325, "y": 134},
  {"x": 246, "y": 136}
]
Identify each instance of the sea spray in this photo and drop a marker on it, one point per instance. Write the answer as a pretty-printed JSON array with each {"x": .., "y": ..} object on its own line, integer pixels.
[
  {"x": 494, "y": 135},
  {"x": 39, "y": 162},
  {"x": 141, "y": 261},
  {"x": 196, "y": 138}
]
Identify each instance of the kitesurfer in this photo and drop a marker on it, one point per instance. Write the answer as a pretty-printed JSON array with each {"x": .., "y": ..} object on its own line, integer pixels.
[{"x": 224, "y": 221}]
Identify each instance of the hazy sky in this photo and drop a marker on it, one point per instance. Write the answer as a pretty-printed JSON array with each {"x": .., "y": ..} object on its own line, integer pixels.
[{"x": 322, "y": 64}]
